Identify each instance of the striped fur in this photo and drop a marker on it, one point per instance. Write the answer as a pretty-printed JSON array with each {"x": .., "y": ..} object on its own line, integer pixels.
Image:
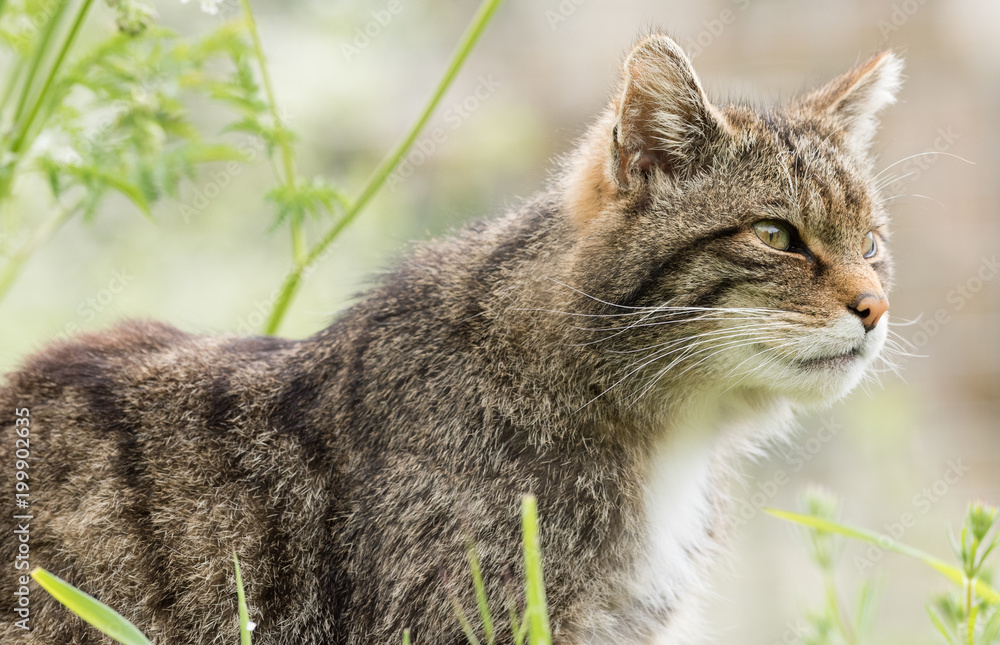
[{"x": 612, "y": 345}]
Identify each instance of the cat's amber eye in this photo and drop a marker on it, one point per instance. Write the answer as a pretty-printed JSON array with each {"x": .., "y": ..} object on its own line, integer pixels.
[
  {"x": 774, "y": 234},
  {"x": 869, "y": 247}
]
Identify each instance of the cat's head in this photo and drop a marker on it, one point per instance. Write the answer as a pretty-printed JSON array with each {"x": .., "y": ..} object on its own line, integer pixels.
[{"x": 729, "y": 246}]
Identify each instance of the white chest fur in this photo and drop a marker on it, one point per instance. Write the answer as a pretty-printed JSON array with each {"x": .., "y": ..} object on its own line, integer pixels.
[
  {"x": 673, "y": 543},
  {"x": 678, "y": 513},
  {"x": 657, "y": 600},
  {"x": 682, "y": 500},
  {"x": 679, "y": 508}
]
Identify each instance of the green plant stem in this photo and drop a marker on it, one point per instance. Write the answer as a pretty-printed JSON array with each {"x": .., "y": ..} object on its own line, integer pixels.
[
  {"x": 481, "y": 600},
  {"x": 386, "y": 166},
  {"x": 15, "y": 74},
  {"x": 74, "y": 30},
  {"x": 36, "y": 58},
  {"x": 41, "y": 47},
  {"x": 888, "y": 544},
  {"x": 13, "y": 267},
  {"x": 241, "y": 604},
  {"x": 834, "y": 602},
  {"x": 536, "y": 609},
  {"x": 23, "y": 127},
  {"x": 287, "y": 155},
  {"x": 970, "y": 617}
]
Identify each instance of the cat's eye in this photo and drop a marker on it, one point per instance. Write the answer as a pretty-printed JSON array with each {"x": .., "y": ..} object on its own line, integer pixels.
[
  {"x": 775, "y": 234},
  {"x": 869, "y": 247}
]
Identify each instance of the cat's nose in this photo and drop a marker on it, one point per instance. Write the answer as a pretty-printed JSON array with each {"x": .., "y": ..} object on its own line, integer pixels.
[{"x": 870, "y": 308}]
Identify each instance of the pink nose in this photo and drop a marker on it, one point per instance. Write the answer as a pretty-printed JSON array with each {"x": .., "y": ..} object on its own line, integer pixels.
[{"x": 870, "y": 308}]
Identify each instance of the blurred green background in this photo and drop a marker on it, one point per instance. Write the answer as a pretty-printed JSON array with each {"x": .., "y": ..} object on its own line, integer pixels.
[{"x": 915, "y": 449}]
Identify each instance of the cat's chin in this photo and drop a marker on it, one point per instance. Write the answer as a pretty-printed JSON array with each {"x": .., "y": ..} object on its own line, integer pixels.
[
  {"x": 825, "y": 371},
  {"x": 821, "y": 382}
]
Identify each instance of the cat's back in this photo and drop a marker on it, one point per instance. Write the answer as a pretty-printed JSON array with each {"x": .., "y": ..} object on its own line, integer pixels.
[
  {"x": 140, "y": 380},
  {"x": 153, "y": 455}
]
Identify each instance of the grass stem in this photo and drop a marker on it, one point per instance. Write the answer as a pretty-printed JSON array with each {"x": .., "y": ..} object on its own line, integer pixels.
[
  {"x": 284, "y": 144},
  {"x": 41, "y": 235},
  {"x": 381, "y": 173},
  {"x": 536, "y": 608}
]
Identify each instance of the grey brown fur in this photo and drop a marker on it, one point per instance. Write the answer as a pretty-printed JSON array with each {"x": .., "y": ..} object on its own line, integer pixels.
[{"x": 349, "y": 470}]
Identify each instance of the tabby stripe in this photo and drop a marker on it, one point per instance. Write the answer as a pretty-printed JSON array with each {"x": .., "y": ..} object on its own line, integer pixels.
[
  {"x": 655, "y": 276},
  {"x": 713, "y": 295},
  {"x": 292, "y": 416},
  {"x": 107, "y": 411}
]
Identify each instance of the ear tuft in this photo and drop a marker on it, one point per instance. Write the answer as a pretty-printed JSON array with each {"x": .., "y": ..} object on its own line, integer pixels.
[
  {"x": 664, "y": 118},
  {"x": 853, "y": 100}
]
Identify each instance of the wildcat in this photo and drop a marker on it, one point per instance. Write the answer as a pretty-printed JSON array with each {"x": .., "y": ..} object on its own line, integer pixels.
[{"x": 693, "y": 276}]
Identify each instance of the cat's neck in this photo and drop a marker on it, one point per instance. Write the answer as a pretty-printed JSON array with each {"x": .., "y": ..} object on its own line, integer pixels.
[{"x": 683, "y": 480}]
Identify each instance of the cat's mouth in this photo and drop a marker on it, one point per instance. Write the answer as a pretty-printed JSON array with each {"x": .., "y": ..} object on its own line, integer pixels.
[{"x": 834, "y": 361}]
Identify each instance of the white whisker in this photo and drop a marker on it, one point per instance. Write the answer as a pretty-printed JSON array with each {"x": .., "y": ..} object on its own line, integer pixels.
[
  {"x": 725, "y": 330},
  {"x": 921, "y": 154},
  {"x": 740, "y": 342}
]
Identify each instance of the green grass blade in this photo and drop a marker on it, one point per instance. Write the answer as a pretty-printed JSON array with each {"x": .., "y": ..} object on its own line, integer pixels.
[
  {"x": 517, "y": 625},
  {"x": 865, "y": 605},
  {"x": 242, "y": 602},
  {"x": 470, "y": 634},
  {"x": 940, "y": 625},
  {"x": 885, "y": 542},
  {"x": 971, "y": 623},
  {"x": 103, "y": 618},
  {"x": 536, "y": 611},
  {"x": 484, "y": 607},
  {"x": 406, "y": 637},
  {"x": 992, "y": 628}
]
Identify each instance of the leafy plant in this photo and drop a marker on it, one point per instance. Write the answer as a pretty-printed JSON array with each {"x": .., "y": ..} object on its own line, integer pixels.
[
  {"x": 971, "y": 615},
  {"x": 967, "y": 615},
  {"x": 833, "y": 622},
  {"x": 112, "y": 118}
]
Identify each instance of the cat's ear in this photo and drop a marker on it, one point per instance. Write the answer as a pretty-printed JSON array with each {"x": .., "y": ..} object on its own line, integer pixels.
[
  {"x": 663, "y": 118},
  {"x": 851, "y": 102}
]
